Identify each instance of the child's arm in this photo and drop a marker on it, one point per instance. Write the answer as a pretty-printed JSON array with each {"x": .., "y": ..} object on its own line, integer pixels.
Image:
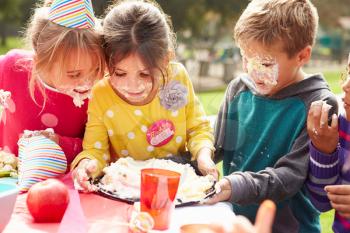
[
  {"x": 95, "y": 143},
  {"x": 324, "y": 165},
  {"x": 199, "y": 132}
]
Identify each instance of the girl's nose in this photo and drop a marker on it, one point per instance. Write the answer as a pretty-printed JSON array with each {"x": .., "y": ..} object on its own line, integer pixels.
[{"x": 134, "y": 83}]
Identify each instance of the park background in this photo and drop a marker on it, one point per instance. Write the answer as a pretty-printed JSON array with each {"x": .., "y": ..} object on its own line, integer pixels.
[{"x": 205, "y": 46}]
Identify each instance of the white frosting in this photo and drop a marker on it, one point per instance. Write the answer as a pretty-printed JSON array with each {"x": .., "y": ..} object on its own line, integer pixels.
[
  {"x": 124, "y": 178},
  {"x": 74, "y": 92}
]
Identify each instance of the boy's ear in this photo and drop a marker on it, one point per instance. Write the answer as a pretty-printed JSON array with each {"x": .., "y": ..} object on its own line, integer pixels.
[{"x": 304, "y": 55}]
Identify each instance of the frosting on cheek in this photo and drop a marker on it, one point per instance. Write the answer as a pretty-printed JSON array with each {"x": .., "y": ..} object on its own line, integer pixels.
[
  {"x": 263, "y": 71},
  {"x": 141, "y": 91}
]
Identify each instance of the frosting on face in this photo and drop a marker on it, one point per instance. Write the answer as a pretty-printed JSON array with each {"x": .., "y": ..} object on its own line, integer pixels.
[
  {"x": 133, "y": 94},
  {"x": 264, "y": 73},
  {"x": 78, "y": 93}
]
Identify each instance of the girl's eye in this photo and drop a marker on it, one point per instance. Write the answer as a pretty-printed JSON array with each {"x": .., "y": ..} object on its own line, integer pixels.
[
  {"x": 74, "y": 75},
  {"x": 267, "y": 65},
  {"x": 119, "y": 74},
  {"x": 144, "y": 75}
]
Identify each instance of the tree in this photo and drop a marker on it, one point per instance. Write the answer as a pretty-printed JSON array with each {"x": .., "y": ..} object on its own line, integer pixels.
[
  {"x": 9, "y": 15},
  {"x": 329, "y": 18}
]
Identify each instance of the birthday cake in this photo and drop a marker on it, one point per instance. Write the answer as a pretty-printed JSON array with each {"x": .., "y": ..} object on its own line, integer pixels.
[{"x": 123, "y": 178}]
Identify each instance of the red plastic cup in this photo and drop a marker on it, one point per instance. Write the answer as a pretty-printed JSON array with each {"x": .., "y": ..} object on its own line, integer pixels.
[{"x": 158, "y": 191}]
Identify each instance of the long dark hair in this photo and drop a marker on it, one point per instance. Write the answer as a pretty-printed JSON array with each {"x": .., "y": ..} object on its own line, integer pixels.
[{"x": 139, "y": 27}]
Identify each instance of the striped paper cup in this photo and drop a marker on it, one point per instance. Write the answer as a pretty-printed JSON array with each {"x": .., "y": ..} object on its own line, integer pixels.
[{"x": 39, "y": 159}]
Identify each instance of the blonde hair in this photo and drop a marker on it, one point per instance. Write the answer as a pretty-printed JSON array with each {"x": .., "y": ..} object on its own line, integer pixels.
[
  {"x": 138, "y": 26},
  {"x": 51, "y": 44},
  {"x": 293, "y": 22}
]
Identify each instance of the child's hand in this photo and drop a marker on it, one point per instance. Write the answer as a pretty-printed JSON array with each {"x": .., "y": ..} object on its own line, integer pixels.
[
  {"x": 82, "y": 173},
  {"x": 263, "y": 221},
  {"x": 325, "y": 138},
  {"x": 206, "y": 165},
  {"x": 346, "y": 98},
  {"x": 339, "y": 195},
  {"x": 240, "y": 224},
  {"x": 223, "y": 189}
]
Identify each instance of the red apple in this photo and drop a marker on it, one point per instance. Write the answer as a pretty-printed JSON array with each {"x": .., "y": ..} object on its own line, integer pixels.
[{"x": 48, "y": 200}]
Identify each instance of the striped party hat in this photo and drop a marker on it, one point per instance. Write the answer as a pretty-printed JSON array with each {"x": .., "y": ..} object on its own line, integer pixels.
[
  {"x": 39, "y": 159},
  {"x": 72, "y": 13}
]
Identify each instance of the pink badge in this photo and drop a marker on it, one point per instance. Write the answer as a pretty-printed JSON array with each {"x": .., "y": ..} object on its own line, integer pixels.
[{"x": 160, "y": 133}]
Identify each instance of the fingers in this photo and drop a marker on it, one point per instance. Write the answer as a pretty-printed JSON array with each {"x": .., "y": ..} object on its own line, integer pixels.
[
  {"x": 338, "y": 189},
  {"x": 323, "y": 137},
  {"x": 339, "y": 199},
  {"x": 82, "y": 174},
  {"x": 314, "y": 115},
  {"x": 318, "y": 115},
  {"x": 214, "y": 172},
  {"x": 223, "y": 192},
  {"x": 82, "y": 181},
  {"x": 339, "y": 196},
  {"x": 215, "y": 199},
  {"x": 208, "y": 167},
  {"x": 324, "y": 115},
  {"x": 334, "y": 124},
  {"x": 344, "y": 209},
  {"x": 91, "y": 166},
  {"x": 265, "y": 217}
]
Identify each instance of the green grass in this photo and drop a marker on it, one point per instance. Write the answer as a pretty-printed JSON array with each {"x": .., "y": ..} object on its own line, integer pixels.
[
  {"x": 212, "y": 100},
  {"x": 11, "y": 43},
  {"x": 334, "y": 81}
]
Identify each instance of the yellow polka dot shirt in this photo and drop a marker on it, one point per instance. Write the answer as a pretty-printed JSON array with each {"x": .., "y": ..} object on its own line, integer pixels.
[{"x": 116, "y": 128}]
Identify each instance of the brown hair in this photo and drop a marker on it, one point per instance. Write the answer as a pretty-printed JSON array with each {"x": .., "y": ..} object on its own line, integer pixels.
[
  {"x": 293, "y": 22},
  {"x": 52, "y": 42},
  {"x": 135, "y": 26}
]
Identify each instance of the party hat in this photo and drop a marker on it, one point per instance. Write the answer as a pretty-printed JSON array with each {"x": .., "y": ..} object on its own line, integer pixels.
[
  {"x": 39, "y": 159},
  {"x": 72, "y": 13}
]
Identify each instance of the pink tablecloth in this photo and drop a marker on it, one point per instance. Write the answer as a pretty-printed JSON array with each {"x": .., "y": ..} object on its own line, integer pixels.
[
  {"x": 93, "y": 214},
  {"x": 101, "y": 215}
]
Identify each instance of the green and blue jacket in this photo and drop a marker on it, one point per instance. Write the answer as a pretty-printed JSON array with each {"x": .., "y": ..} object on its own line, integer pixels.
[{"x": 263, "y": 143}]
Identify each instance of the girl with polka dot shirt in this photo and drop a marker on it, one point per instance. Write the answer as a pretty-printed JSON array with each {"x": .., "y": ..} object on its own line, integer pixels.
[
  {"x": 49, "y": 86},
  {"x": 147, "y": 107}
]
